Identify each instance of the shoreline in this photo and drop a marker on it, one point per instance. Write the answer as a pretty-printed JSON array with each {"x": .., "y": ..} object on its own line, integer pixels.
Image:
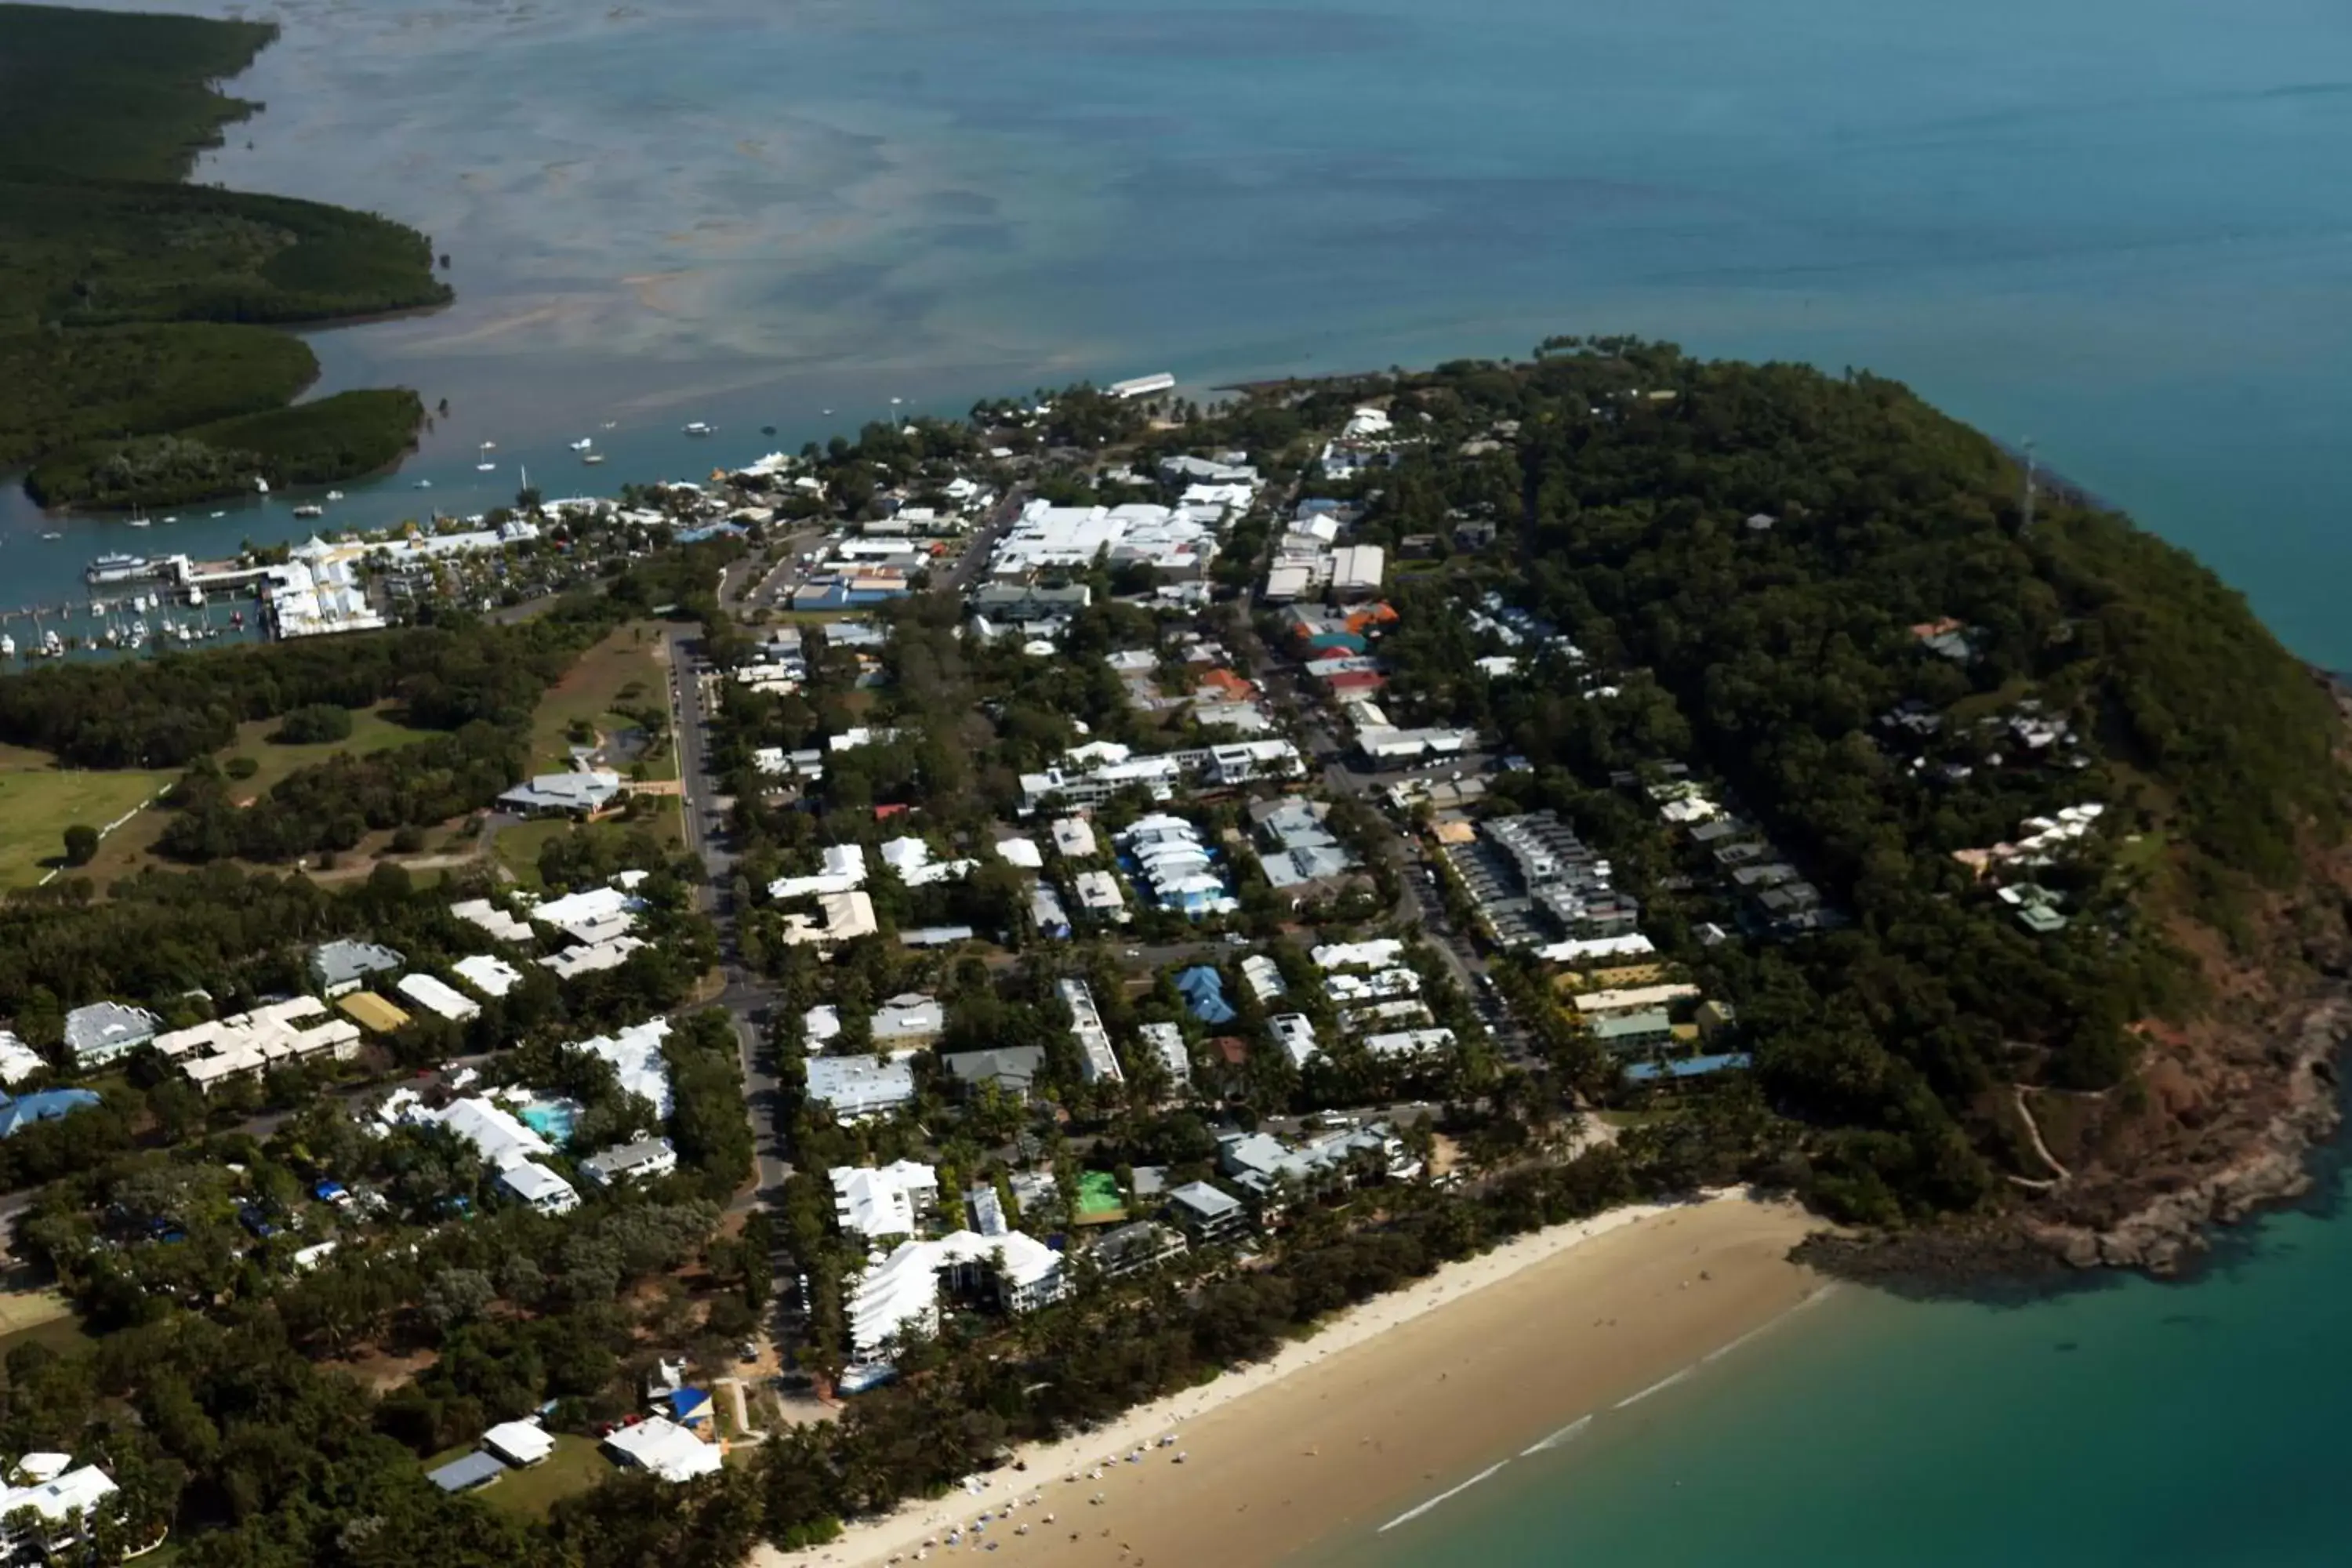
[{"x": 1362, "y": 1427}]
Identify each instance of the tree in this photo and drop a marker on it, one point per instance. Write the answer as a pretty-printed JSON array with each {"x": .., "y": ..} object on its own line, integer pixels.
[{"x": 81, "y": 844}]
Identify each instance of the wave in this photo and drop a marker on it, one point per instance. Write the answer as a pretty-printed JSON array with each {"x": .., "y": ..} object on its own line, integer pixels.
[
  {"x": 1409, "y": 1515},
  {"x": 1663, "y": 1383},
  {"x": 1566, "y": 1433}
]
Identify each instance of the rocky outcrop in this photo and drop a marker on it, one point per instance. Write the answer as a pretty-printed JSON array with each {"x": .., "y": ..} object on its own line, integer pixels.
[{"x": 2167, "y": 1231}]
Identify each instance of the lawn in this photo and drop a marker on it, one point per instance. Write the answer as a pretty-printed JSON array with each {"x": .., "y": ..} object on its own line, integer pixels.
[
  {"x": 517, "y": 848},
  {"x": 574, "y": 1467},
  {"x": 1099, "y": 1199},
  {"x": 39, "y": 800},
  {"x": 41, "y": 1317},
  {"x": 372, "y": 730},
  {"x": 628, "y": 666}
]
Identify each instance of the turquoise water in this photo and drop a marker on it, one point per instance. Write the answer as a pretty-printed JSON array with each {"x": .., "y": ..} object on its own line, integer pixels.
[
  {"x": 552, "y": 1120},
  {"x": 2129, "y": 1424},
  {"x": 2117, "y": 227}
]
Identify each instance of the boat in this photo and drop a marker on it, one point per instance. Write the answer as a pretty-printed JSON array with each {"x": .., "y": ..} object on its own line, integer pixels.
[
  {"x": 334, "y": 495},
  {"x": 424, "y": 484},
  {"x": 195, "y": 595},
  {"x": 220, "y": 514},
  {"x": 489, "y": 446},
  {"x": 612, "y": 424},
  {"x": 484, "y": 468},
  {"x": 593, "y": 458},
  {"x": 583, "y": 444},
  {"x": 139, "y": 631},
  {"x": 312, "y": 510},
  {"x": 237, "y": 619},
  {"x": 7, "y": 646},
  {"x": 697, "y": 428},
  {"x": 52, "y": 644},
  {"x": 141, "y": 523},
  {"x": 116, "y": 567},
  {"x": 261, "y": 484},
  {"x": 53, "y": 533},
  {"x": 171, "y": 519}
]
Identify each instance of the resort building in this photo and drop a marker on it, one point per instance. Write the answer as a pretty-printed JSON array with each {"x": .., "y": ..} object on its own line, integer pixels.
[
  {"x": 582, "y": 793},
  {"x": 487, "y": 973},
  {"x": 855, "y": 1087},
  {"x": 1208, "y": 1213},
  {"x": 438, "y": 996},
  {"x": 102, "y": 1031},
  {"x": 537, "y": 1187},
  {"x": 635, "y": 1057},
  {"x": 644, "y": 1160},
  {"x": 885, "y": 1200},
  {"x": 48, "y": 1505},
  {"x": 1098, "y": 1061},
  {"x": 299, "y": 1028},
  {"x": 341, "y": 967}
]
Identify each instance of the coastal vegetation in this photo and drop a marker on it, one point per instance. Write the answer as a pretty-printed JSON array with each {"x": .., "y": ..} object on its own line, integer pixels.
[{"x": 134, "y": 305}]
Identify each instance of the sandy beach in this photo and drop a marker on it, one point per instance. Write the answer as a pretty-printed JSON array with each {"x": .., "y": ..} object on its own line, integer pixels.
[{"x": 1386, "y": 1408}]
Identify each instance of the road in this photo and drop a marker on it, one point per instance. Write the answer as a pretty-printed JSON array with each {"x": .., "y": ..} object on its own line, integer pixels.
[{"x": 744, "y": 994}]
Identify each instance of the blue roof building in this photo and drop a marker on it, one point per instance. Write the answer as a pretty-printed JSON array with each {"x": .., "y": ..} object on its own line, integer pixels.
[
  {"x": 1203, "y": 990},
  {"x": 688, "y": 1406},
  {"x": 1689, "y": 1067},
  {"x": 47, "y": 1106}
]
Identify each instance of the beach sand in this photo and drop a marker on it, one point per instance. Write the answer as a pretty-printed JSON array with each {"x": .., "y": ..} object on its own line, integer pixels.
[{"x": 1387, "y": 1407}]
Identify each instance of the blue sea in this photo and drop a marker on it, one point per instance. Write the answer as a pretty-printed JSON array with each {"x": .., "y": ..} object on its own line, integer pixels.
[{"x": 2119, "y": 228}]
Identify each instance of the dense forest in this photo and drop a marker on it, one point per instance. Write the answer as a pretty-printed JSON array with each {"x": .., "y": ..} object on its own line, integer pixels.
[{"x": 134, "y": 305}]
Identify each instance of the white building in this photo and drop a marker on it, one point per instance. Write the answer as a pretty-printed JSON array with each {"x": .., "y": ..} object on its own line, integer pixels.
[
  {"x": 1099, "y": 893},
  {"x": 901, "y": 1293},
  {"x": 635, "y": 1057},
  {"x": 885, "y": 1200},
  {"x": 299, "y": 1028},
  {"x": 46, "y": 1505},
  {"x": 1295, "y": 1032},
  {"x": 1409, "y": 1042},
  {"x": 539, "y": 1187},
  {"x": 491, "y": 976},
  {"x": 438, "y": 996},
  {"x": 594, "y": 915},
  {"x": 1262, "y": 976},
  {"x": 1167, "y": 1043},
  {"x": 641, "y": 1160},
  {"x": 841, "y": 917},
  {"x": 496, "y": 1133},
  {"x": 844, "y": 870},
  {"x": 909, "y": 1019},
  {"x": 1085, "y": 1023},
  {"x": 912, "y": 859},
  {"x": 18, "y": 1061},
  {"x": 1375, "y": 954},
  {"x": 1074, "y": 839},
  {"x": 667, "y": 1449},
  {"x": 855, "y": 1087},
  {"x": 487, "y": 915}
]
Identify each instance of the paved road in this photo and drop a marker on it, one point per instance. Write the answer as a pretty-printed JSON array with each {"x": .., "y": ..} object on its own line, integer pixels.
[{"x": 745, "y": 995}]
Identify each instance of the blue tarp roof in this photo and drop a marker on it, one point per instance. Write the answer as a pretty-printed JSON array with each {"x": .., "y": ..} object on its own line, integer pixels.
[
  {"x": 47, "y": 1106},
  {"x": 688, "y": 1403},
  {"x": 1691, "y": 1067},
  {"x": 1204, "y": 993}
]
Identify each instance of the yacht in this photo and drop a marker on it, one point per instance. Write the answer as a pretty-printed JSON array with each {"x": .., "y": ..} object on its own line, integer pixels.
[
  {"x": 138, "y": 630},
  {"x": 698, "y": 428},
  {"x": 171, "y": 519},
  {"x": 195, "y": 595},
  {"x": 592, "y": 457},
  {"x": 116, "y": 567},
  {"x": 52, "y": 644},
  {"x": 583, "y": 444},
  {"x": 334, "y": 495},
  {"x": 220, "y": 514},
  {"x": 484, "y": 468},
  {"x": 260, "y": 484},
  {"x": 7, "y": 646},
  {"x": 141, "y": 523},
  {"x": 311, "y": 511},
  {"x": 424, "y": 484},
  {"x": 489, "y": 446}
]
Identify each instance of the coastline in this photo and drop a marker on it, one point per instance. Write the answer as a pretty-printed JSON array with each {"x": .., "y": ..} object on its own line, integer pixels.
[{"x": 1388, "y": 1405}]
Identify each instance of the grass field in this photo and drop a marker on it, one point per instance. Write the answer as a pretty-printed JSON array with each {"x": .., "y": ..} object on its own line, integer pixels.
[
  {"x": 36, "y": 1316},
  {"x": 574, "y": 1467},
  {"x": 372, "y": 730},
  {"x": 628, "y": 666},
  {"x": 39, "y": 800}
]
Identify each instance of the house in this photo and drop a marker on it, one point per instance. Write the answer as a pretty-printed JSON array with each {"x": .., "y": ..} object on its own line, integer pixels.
[
  {"x": 537, "y": 1187},
  {"x": 1098, "y": 1061},
  {"x": 1262, "y": 976},
  {"x": 438, "y": 996},
  {"x": 341, "y": 967},
  {"x": 885, "y": 1200},
  {"x": 491, "y": 976},
  {"x": 582, "y": 793},
  {"x": 1167, "y": 1044},
  {"x": 1409, "y": 1042},
  {"x": 497, "y": 1134},
  {"x": 1020, "y": 852},
  {"x": 593, "y": 959},
  {"x": 855, "y": 1087},
  {"x": 1099, "y": 893},
  {"x": 641, "y": 1160},
  {"x": 372, "y": 1012},
  {"x": 908, "y": 1020},
  {"x": 667, "y": 1449},
  {"x": 1132, "y": 1248},
  {"x": 1046, "y": 913},
  {"x": 840, "y": 917},
  {"x": 1174, "y": 868},
  {"x": 522, "y": 1444},
  {"x": 489, "y": 917},
  {"x": 1295, "y": 1032},
  {"x": 469, "y": 1472},
  {"x": 103, "y": 1031},
  {"x": 1633, "y": 1031},
  {"x": 46, "y": 1503},
  {"x": 1203, "y": 990},
  {"x": 591, "y": 915},
  {"x": 48, "y": 1105},
  {"x": 1356, "y": 572},
  {"x": 843, "y": 868},
  {"x": 18, "y": 1061},
  {"x": 1208, "y": 1215},
  {"x": 1685, "y": 1068},
  {"x": 1014, "y": 1068},
  {"x": 1073, "y": 838}
]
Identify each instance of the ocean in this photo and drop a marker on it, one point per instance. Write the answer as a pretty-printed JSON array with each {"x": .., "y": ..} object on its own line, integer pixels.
[
  {"x": 2121, "y": 230},
  {"x": 2115, "y": 228},
  {"x": 2124, "y": 1422}
]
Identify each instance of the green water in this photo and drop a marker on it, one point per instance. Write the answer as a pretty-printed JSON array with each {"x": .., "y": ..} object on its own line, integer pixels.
[{"x": 2131, "y": 1423}]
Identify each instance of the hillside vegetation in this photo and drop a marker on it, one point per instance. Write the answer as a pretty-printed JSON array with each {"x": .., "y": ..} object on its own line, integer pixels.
[
  {"x": 1758, "y": 555},
  {"x": 133, "y": 304}
]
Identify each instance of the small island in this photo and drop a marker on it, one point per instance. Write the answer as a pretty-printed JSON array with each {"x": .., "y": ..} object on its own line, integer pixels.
[{"x": 142, "y": 359}]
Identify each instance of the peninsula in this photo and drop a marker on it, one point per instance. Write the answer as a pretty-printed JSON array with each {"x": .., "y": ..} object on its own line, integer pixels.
[
  {"x": 142, "y": 359},
  {"x": 1029, "y": 984}
]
